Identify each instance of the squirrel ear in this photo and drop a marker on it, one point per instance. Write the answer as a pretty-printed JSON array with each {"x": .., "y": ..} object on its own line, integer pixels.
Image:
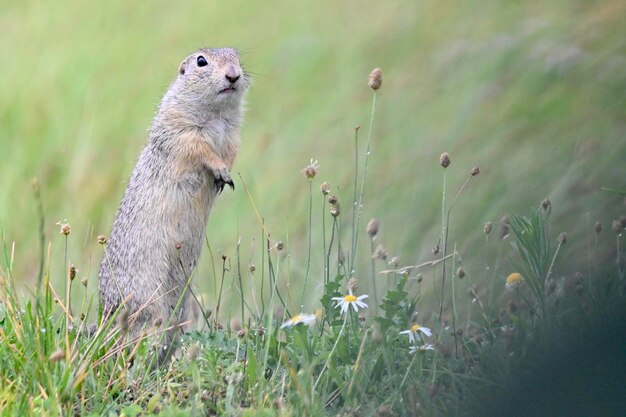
[{"x": 181, "y": 67}]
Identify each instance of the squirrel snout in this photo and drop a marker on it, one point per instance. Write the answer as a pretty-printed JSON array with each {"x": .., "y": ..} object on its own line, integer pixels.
[{"x": 232, "y": 73}]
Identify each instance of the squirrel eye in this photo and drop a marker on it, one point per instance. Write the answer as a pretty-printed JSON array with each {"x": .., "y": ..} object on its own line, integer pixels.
[{"x": 202, "y": 61}]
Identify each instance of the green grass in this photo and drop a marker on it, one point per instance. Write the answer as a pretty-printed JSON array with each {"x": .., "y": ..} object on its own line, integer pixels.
[{"x": 530, "y": 92}]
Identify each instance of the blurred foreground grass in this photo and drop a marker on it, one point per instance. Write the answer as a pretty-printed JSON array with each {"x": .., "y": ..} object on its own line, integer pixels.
[{"x": 532, "y": 92}]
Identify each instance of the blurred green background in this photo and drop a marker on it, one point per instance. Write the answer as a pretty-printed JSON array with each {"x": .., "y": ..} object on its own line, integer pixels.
[{"x": 532, "y": 92}]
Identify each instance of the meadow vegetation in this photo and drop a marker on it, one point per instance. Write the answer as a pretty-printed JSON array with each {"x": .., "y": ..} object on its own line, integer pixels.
[{"x": 476, "y": 198}]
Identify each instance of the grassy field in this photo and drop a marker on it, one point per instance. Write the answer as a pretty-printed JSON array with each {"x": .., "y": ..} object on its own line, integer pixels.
[{"x": 531, "y": 92}]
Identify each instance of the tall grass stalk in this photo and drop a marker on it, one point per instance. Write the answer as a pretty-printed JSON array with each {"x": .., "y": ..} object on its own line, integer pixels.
[{"x": 359, "y": 208}]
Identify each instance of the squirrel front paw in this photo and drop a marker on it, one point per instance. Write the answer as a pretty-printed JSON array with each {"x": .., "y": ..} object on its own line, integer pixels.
[{"x": 222, "y": 177}]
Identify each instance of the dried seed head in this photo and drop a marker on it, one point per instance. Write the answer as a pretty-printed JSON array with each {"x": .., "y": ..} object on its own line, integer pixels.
[
  {"x": 394, "y": 262},
  {"x": 65, "y": 228},
  {"x": 622, "y": 221},
  {"x": 157, "y": 322},
  {"x": 280, "y": 245},
  {"x": 333, "y": 199},
  {"x": 325, "y": 188},
  {"x": 311, "y": 170},
  {"x": 192, "y": 353},
  {"x": 436, "y": 249},
  {"x": 57, "y": 355},
  {"x": 72, "y": 272},
  {"x": 102, "y": 239},
  {"x": 380, "y": 253},
  {"x": 235, "y": 325},
  {"x": 242, "y": 333},
  {"x": 562, "y": 239},
  {"x": 84, "y": 281},
  {"x": 82, "y": 316},
  {"x": 372, "y": 228},
  {"x": 546, "y": 203},
  {"x": 460, "y": 272},
  {"x": 384, "y": 411},
  {"x": 334, "y": 210},
  {"x": 224, "y": 257},
  {"x": 487, "y": 228},
  {"x": 616, "y": 227},
  {"x": 444, "y": 160},
  {"x": 419, "y": 278},
  {"x": 377, "y": 334},
  {"x": 597, "y": 227},
  {"x": 352, "y": 284},
  {"x": 178, "y": 245},
  {"x": 251, "y": 268},
  {"x": 475, "y": 171},
  {"x": 504, "y": 227},
  {"x": 375, "y": 80}
]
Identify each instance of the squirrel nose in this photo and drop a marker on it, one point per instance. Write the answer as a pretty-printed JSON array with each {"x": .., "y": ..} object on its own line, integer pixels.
[{"x": 232, "y": 73}]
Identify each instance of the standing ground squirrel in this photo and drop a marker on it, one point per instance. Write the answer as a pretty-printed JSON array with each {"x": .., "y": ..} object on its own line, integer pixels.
[{"x": 159, "y": 227}]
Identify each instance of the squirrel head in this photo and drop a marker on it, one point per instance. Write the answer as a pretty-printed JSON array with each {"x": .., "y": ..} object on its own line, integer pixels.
[{"x": 211, "y": 78}]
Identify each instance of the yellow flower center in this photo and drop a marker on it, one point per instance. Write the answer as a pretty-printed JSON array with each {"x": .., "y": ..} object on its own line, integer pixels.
[
  {"x": 514, "y": 278},
  {"x": 295, "y": 318},
  {"x": 349, "y": 298},
  {"x": 415, "y": 328}
]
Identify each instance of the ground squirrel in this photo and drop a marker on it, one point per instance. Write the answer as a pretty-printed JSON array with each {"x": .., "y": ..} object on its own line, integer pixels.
[{"x": 159, "y": 227}]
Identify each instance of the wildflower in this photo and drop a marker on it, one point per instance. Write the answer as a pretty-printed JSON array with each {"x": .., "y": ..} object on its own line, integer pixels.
[
  {"x": 306, "y": 319},
  {"x": 414, "y": 331},
  {"x": 475, "y": 171},
  {"x": 505, "y": 224},
  {"x": 616, "y": 227},
  {"x": 380, "y": 253},
  {"x": 251, "y": 267},
  {"x": 65, "y": 228},
  {"x": 333, "y": 199},
  {"x": 427, "y": 346},
  {"x": 102, "y": 239},
  {"x": 444, "y": 160},
  {"x": 487, "y": 228},
  {"x": 311, "y": 169},
  {"x": 514, "y": 280},
  {"x": 598, "y": 227},
  {"x": 352, "y": 284},
  {"x": 334, "y": 210},
  {"x": 350, "y": 299},
  {"x": 325, "y": 188},
  {"x": 375, "y": 79},
  {"x": 372, "y": 228},
  {"x": 546, "y": 204},
  {"x": 460, "y": 272},
  {"x": 562, "y": 239}
]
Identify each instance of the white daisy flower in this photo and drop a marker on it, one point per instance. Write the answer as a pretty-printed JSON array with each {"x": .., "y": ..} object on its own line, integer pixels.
[
  {"x": 350, "y": 299},
  {"x": 306, "y": 319},
  {"x": 427, "y": 346},
  {"x": 414, "y": 330}
]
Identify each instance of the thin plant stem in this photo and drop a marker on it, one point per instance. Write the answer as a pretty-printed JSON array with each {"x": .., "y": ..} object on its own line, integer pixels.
[
  {"x": 360, "y": 205},
  {"x": 324, "y": 238},
  {"x": 375, "y": 292},
  {"x": 308, "y": 262},
  {"x": 446, "y": 226},
  {"x": 240, "y": 279},
  {"x": 319, "y": 377},
  {"x": 354, "y": 196},
  {"x": 442, "y": 238}
]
